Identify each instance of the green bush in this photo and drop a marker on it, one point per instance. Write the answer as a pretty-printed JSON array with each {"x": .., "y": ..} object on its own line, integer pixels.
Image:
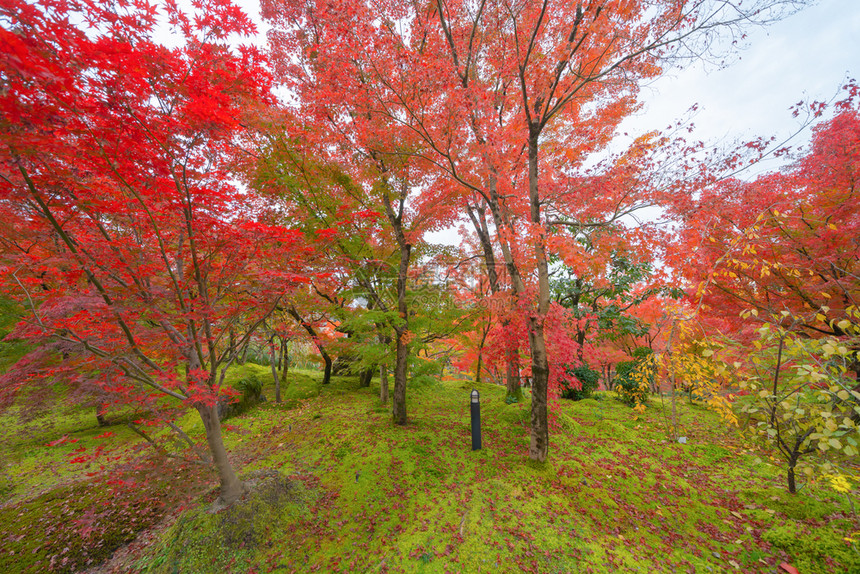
[
  {"x": 624, "y": 368},
  {"x": 251, "y": 389},
  {"x": 642, "y": 353},
  {"x": 634, "y": 378},
  {"x": 588, "y": 379},
  {"x": 631, "y": 390}
]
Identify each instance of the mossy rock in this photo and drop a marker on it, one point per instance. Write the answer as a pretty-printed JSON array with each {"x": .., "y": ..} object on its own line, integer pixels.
[
  {"x": 513, "y": 414},
  {"x": 814, "y": 549},
  {"x": 204, "y": 541}
]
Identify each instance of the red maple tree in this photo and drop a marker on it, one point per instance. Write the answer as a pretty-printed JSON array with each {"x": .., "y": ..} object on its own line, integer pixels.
[
  {"x": 124, "y": 233},
  {"x": 782, "y": 248},
  {"x": 503, "y": 99}
]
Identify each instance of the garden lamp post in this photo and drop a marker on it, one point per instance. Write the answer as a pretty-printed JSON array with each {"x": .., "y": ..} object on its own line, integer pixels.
[{"x": 476, "y": 420}]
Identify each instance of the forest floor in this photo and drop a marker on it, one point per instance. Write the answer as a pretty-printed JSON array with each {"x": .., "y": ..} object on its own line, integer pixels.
[{"x": 340, "y": 489}]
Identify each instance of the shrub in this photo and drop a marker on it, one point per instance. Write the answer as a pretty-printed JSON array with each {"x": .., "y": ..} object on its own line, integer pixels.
[
  {"x": 587, "y": 377},
  {"x": 642, "y": 353},
  {"x": 251, "y": 389},
  {"x": 634, "y": 378}
]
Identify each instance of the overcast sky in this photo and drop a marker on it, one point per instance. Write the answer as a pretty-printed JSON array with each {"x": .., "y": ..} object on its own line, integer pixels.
[{"x": 806, "y": 56}]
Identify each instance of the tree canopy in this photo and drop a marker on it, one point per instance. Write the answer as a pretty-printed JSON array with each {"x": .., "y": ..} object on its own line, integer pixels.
[{"x": 168, "y": 204}]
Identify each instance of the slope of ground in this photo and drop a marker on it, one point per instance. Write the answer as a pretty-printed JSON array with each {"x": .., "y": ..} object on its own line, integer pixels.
[{"x": 339, "y": 489}]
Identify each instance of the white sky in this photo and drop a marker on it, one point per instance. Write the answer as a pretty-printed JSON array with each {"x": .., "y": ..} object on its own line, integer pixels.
[{"x": 806, "y": 56}]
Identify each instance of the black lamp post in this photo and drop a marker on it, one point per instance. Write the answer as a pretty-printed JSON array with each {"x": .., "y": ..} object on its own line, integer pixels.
[{"x": 476, "y": 420}]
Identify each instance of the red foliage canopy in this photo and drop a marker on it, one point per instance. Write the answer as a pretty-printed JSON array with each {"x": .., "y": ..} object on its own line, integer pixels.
[{"x": 124, "y": 232}]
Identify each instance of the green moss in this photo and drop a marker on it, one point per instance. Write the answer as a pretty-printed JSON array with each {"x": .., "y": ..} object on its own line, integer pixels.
[
  {"x": 800, "y": 506},
  {"x": 369, "y": 496},
  {"x": 814, "y": 549},
  {"x": 513, "y": 416},
  {"x": 711, "y": 454},
  {"x": 228, "y": 541},
  {"x": 74, "y": 527},
  {"x": 417, "y": 499}
]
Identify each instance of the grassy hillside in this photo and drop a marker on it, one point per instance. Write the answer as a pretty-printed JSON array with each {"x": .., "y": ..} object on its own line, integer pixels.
[{"x": 339, "y": 489}]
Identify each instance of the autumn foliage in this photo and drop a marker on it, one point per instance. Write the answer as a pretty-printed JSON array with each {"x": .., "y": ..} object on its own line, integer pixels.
[
  {"x": 125, "y": 236},
  {"x": 163, "y": 210}
]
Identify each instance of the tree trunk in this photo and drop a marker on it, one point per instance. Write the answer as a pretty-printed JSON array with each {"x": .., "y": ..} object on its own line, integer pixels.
[
  {"x": 479, "y": 220},
  {"x": 539, "y": 442},
  {"x": 580, "y": 343},
  {"x": 274, "y": 365},
  {"x": 101, "y": 409},
  {"x": 401, "y": 331},
  {"x": 285, "y": 362},
  {"x": 514, "y": 392},
  {"x": 383, "y": 384},
  {"x": 402, "y": 334},
  {"x": 792, "y": 487},
  {"x": 327, "y": 370},
  {"x": 399, "y": 398},
  {"x": 325, "y": 356},
  {"x": 539, "y": 437},
  {"x": 231, "y": 487},
  {"x": 243, "y": 356},
  {"x": 365, "y": 377}
]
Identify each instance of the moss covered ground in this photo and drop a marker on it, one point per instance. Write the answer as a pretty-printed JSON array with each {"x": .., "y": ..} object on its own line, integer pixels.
[{"x": 340, "y": 489}]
